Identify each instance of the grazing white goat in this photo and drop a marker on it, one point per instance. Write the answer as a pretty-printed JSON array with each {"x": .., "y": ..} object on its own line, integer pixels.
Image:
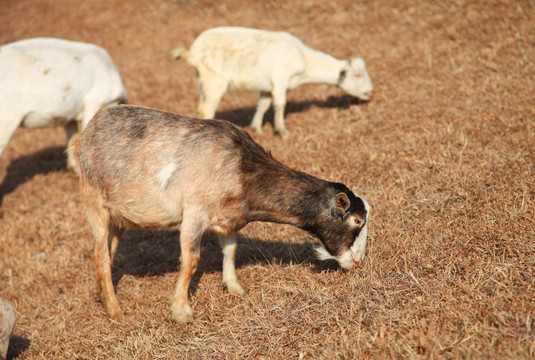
[
  {"x": 141, "y": 167},
  {"x": 47, "y": 82},
  {"x": 235, "y": 58}
]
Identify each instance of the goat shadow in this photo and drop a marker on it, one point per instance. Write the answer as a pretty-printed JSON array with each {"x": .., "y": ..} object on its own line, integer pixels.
[
  {"x": 26, "y": 167},
  {"x": 146, "y": 253},
  {"x": 243, "y": 116},
  {"x": 17, "y": 345}
]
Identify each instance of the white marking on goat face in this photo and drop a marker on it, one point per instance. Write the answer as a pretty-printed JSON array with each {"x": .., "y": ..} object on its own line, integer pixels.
[
  {"x": 358, "y": 249},
  {"x": 356, "y": 253},
  {"x": 345, "y": 260},
  {"x": 165, "y": 174},
  {"x": 322, "y": 254}
]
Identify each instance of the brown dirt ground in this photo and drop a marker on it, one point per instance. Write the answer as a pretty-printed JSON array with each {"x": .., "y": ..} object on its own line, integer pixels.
[{"x": 444, "y": 154}]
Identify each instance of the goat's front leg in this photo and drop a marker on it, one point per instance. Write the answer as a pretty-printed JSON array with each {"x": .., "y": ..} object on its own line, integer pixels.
[
  {"x": 229, "y": 245},
  {"x": 190, "y": 241}
]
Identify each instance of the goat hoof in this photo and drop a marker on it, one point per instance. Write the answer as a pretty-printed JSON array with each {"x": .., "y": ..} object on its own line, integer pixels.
[
  {"x": 257, "y": 130},
  {"x": 235, "y": 289},
  {"x": 114, "y": 313},
  {"x": 284, "y": 133},
  {"x": 182, "y": 315}
]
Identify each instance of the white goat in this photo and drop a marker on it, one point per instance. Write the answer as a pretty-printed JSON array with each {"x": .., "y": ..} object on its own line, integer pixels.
[
  {"x": 235, "y": 58},
  {"x": 47, "y": 82}
]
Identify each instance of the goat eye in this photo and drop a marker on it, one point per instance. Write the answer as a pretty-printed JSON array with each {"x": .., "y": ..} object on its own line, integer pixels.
[{"x": 359, "y": 222}]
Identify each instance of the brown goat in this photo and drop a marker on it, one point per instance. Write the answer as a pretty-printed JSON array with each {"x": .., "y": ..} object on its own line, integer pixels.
[{"x": 141, "y": 167}]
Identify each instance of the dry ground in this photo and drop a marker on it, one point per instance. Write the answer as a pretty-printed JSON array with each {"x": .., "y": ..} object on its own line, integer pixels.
[{"x": 444, "y": 154}]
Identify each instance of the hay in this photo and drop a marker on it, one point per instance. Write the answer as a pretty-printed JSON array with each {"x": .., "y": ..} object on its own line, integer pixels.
[{"x": 444, "y": 154}]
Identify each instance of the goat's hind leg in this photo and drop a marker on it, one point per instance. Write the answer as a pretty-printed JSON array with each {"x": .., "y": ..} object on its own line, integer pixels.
[
  {"x": 104, "y": 263},
  {"x": 264, "y": 102},
  {"x": 104, "y": 233},
  {"x": 211, "y": 93},
  {"x": 279, "y": 103}
]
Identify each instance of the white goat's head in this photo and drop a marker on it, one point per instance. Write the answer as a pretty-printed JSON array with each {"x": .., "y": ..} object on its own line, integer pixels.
[{"x": 354, "y": 79}]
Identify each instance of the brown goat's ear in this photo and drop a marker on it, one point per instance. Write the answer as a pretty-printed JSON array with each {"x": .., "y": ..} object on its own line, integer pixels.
[
  {"x": 342, "y": 202},
  {"x": 341, "y": 205}
]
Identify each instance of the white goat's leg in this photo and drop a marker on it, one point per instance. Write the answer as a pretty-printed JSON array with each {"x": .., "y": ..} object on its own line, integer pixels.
[
  {"x": 264, "y": 102},
  {"x": 71, "y": 128},
  {"x": 8, "y": 126},
  {"x": 229, "y": 245},
  {"x": 211, "y": 93},
  {"x": 202, "y": 96},
  {"x": 279, "y": 102},
  {"x": 190, "y": 239}
]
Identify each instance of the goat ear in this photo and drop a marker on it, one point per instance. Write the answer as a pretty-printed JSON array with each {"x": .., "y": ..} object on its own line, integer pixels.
[
  {"x": 342, "y": 76},
  {"x": 358, "y": 63},
  {"x": 342, "y": 202}
]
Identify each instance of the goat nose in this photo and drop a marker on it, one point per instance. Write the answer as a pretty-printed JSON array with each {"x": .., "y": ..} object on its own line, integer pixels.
[
  {"x": 354, "y": 264},
  {"x": 370, "y": 94}
]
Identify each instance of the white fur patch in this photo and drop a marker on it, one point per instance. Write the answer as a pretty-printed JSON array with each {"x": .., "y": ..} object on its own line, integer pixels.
[
  {"x": 322, "y": 254},
  {"x": 345, "y": 260},
  {"x": 165, "y": 174},
  {"x": 359, "y": 246},
  {"x": 357, "y": 252}
]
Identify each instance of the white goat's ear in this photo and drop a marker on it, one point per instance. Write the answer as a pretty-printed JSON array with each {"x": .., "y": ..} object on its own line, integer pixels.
[
  {"x": 358, "y": 64},
  {"x": 342, "y": 76}
]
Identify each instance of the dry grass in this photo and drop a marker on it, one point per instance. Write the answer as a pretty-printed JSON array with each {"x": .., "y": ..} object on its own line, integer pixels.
[{"x": 444, "y": 153}]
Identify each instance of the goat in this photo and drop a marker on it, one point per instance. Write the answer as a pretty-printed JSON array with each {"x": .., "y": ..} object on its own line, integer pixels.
[
  {"x": 46, "y": 82},
  {"x": 146, "y": 168},
  {"x": 235, "y": 58},
  {"x": 8, "y": 319}
]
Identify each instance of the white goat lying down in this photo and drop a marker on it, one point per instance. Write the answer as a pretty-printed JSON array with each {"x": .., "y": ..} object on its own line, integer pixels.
[
  {"x": 141, "y": 167},
  {"x": 47, "y": 82},
  {"x": 235, "y": 58}
]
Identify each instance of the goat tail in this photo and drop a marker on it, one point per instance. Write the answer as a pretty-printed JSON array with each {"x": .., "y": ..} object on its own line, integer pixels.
[{"x": 178, "y": 52}]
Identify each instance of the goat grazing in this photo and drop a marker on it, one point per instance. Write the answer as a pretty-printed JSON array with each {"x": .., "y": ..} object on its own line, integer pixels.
[
  {"x": 141, "y": 167},
  {"x": 47, "y": 82},
  {"x": 235, "y": 58}
]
